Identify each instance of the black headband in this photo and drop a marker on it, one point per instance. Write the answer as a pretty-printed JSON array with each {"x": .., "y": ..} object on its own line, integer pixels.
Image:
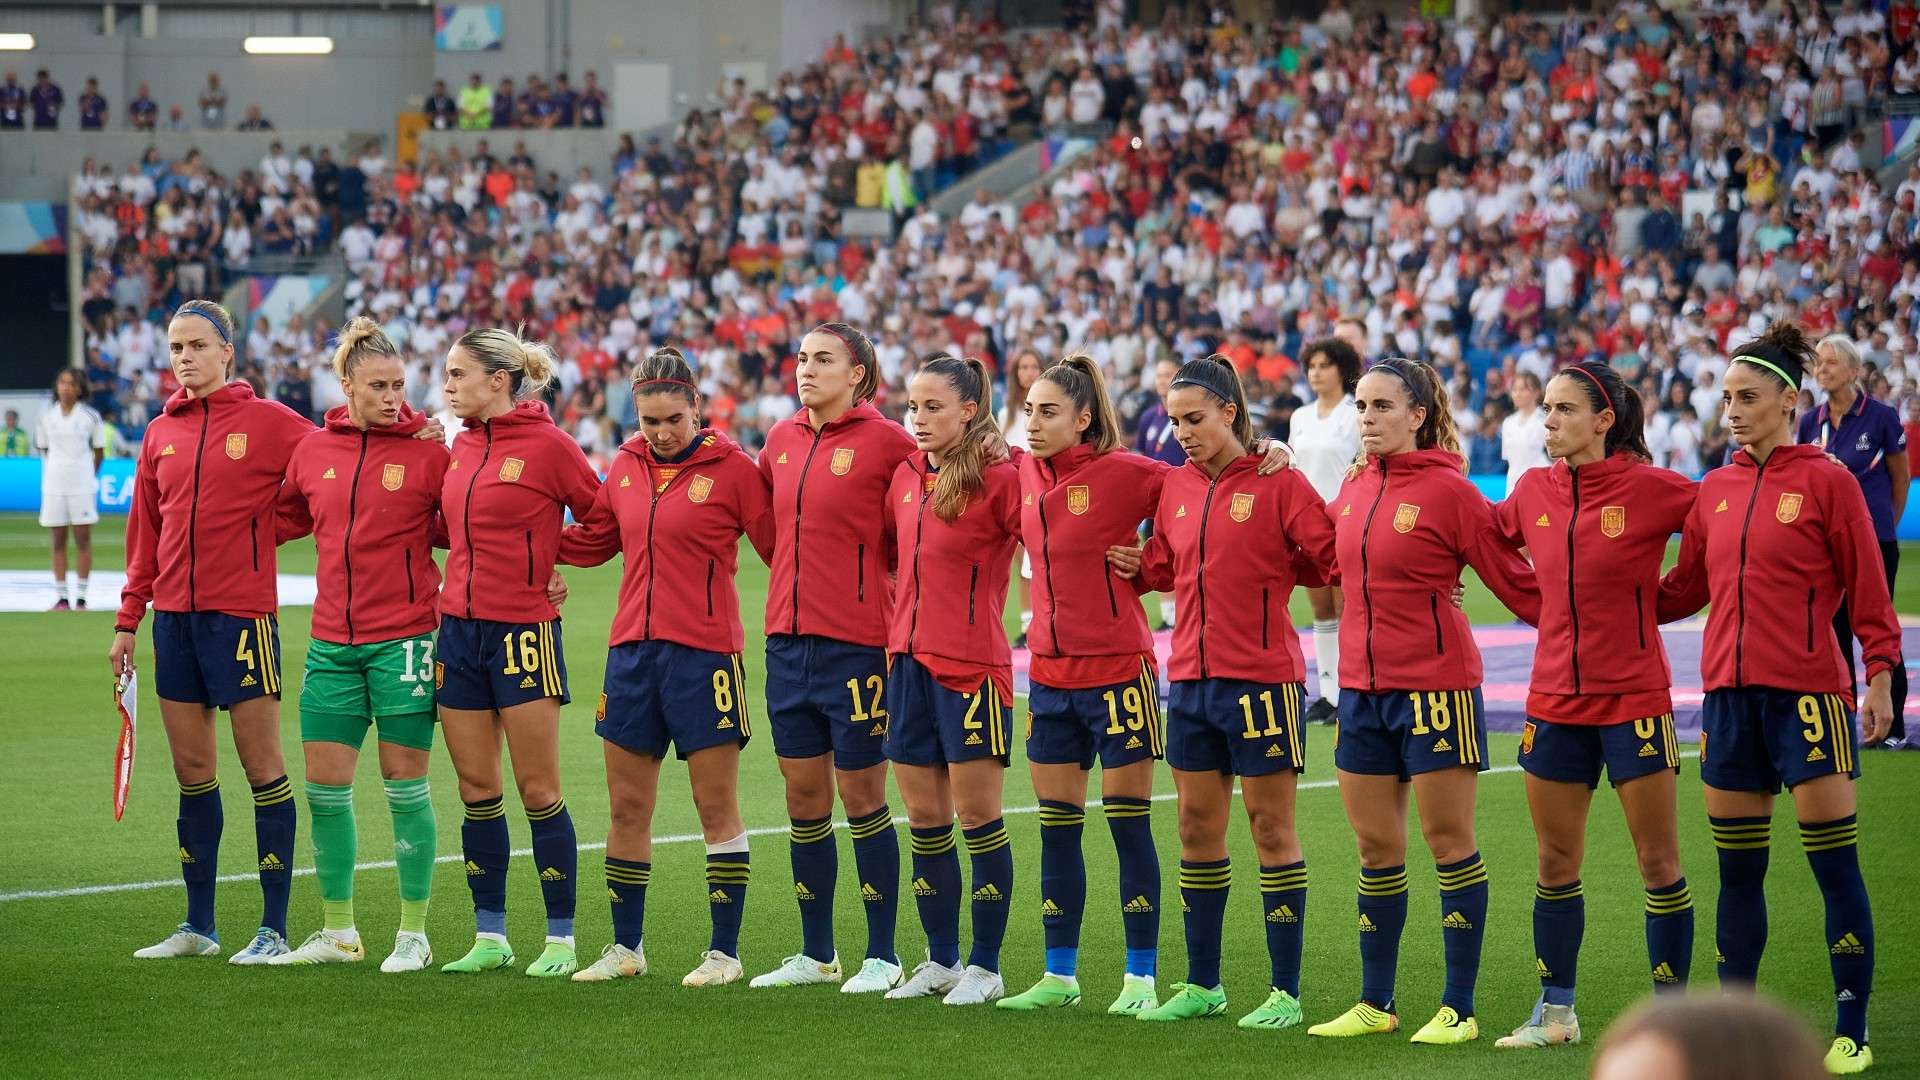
[
  {"x": 1214, "y": 378},
  {"x": 1418, "y": 389}
]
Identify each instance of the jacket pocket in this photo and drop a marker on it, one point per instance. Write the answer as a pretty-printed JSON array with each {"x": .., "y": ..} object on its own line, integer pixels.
[
  {"x": 1640, "y": 616},
  {"x": 709, "y": 588},
  {"x": 407, "y": 561},
  {"x": 1809, "y": 620},
  {"x": 1113, "y": 602},
  {"x": 1439, "y": 638},
  {"x": 973, "y": 588},
  {"x": 253, "y": 537},
  {"x": 1263, "y": 618},
  {"x": 529, "y": 558},
  {"x": 860, "y": 572}
]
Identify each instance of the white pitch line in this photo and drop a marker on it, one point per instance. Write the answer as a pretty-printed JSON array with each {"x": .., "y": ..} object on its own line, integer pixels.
[{"x": 684, "y": 838}]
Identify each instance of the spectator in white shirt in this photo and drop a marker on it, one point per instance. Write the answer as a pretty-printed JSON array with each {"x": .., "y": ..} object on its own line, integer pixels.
[{"x": 1523, "y": 435}]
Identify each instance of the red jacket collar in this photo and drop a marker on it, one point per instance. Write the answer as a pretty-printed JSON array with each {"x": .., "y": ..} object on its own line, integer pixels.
[
  {"x": 1068, "y": 461},
  {"x": 525, "y": 412},
  {"x": 409, "y": 422},
  {"x": 234, "y": 392},
  {"x": 712, "y": 446},
  {"x": 1244, "y": 463},
  {"x": 1611, "y": 465},
  {"x": 1421, "y": 461},
  {"x": 1789, "y": 452},
  {"x": 860, "y": 413}
]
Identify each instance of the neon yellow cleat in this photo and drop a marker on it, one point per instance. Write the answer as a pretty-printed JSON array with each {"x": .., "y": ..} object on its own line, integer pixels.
[
  {"x": 1447, "y": 1028},
  {"x": 489, "y": 953},
  {"x": 1051, "y": 992},
  {"x": 1847, "y": 1057},
  {"x": 1189, "y": 1002},
  {"x": 1137, "y": 995},
  {"x": 556, "y": 961},
  {"x": 1280, "y": 1010},
  {"x": 1362, "y": 1019}
]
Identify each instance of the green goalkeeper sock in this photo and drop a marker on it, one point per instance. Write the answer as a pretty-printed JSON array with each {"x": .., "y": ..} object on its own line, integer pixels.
[
  {"x": 414, "y": 831},
  {"x": 335, "y": 846}
]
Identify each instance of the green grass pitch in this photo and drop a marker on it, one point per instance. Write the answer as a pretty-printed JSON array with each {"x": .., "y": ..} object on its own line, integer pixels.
[{"x": 78, "y": 1005}]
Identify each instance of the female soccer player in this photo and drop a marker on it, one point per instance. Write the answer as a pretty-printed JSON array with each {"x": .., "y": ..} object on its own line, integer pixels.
[
  {"x": 72, "y": 439},
  {"x": 955, "y": 520},
  {"x": 1597, "y": 525},
  {"x": 1326, "y": 435},
  {"x": 828, "y": 608},
  {"x": 200, "y": 539},
  {"x": 1223, "y": 534},
  {"x": 1774, "y": 540},
  {"x": 370, "y": 492},
  {"x": 674, "y": 505},
  {"x": 501, "y": 670},
  {"x": 1410, "y": 704}
]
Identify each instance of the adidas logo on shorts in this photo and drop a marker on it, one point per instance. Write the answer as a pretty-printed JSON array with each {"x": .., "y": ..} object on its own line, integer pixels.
[
  {"x": 1133, "y": 742},
  {"x": 1443, "y": 747},
  {"x": 1647, "y": 750},
  {"x": 1282, "y": 914},
  {"x": 526, "y": 682},
  {"x": 1049, "y": 909},
  {"x": 973, "y": 739},
  {"x": 989, "y": 891},
  {"x": 247, "y": 680},
  {"x": 1139, "y": 905},
  {"x": 1816, "y": 754},
  {"x": 1456, "y": 921},
  {"x": 419, "y": 691},
  {"x": 725, "y": 724},
  {"x": 552, "y": 873},
  {"x": 878, "y": 730},
  {"x": 1273, "y": 750}
]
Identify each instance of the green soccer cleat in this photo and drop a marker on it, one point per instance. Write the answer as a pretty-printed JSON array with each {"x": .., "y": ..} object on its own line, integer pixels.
[
  {"x": 1847, "y": 1057},
  {"x": 1447, "y": 1028},
  {"x": 1362, "y": 1019},
  {"x": 1051, "y": 992},
  {"x": 489, "y": 953},
  {"x": 1137, "y": 995},
  {"x": 557, "y": 961},
  {"x": 1189, "y": 1002},
  {"x": 1280, "y": 1010}
]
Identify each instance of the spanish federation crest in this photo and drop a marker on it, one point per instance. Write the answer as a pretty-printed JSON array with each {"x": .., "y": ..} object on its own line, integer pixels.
[
  {"x": 1404, "y": 517},
  {"x": 842, "y": 462},
  {"x": 1613, "y": 521},
  {"x": 1079, "y": 498},
  {"x": 701, "y": 487},
  {"x": 1788, "y": 508},
  {"x": 392, "y": 476},
  {"x": 510, "y": 470},
  {"x": 237, "y": 445},
  {"x": 1242, "y": 506},
  {"x": 1526, "y": 738}
]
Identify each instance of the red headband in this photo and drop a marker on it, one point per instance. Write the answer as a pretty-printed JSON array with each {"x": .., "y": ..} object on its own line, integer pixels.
[
  {"x": 1594, "y": 379},
  {"x": 670, "y": 382}
]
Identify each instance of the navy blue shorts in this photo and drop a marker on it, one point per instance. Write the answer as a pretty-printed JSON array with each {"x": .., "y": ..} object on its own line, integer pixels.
[
  {"x": 932, "y": 725},
  {"x": 1761, "y": 738},
  {"x": 212, "y": 658},
  {"x": 1236, "y": 727},
  {"x": 659, "y": 692},
  {"x": 826, "y": 696},
  {"x": 488, "y": 665},
  {"x": 1575, "y": 753},
  {"x": 1120, "y": 723},
  {"x": 1407, "y": 732}
]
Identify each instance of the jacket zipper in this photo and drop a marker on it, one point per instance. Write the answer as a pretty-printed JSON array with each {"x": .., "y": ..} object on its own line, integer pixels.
[
  {"x": 859, "y": 569},
  {"x": 253, "y": 542},
  {"x": 193, "y": 514},
  {"x": 1640, "y": 617},
  {"x": 1740, "y": 581},
  {"x": 799, "y": 494},
  {"x": 529, "y": 535},
  {"x": 709, "y": 588},
  {"x": 973, "y": 586},
  {"x": 1113, "y": 604},
  {"x": 466, "y": 521},
  {"x": 920, "y": 519},
  {"x": 353, "y": 505},
  {"x": 1439, "y": 639},
  {"x": 1366, "y": 594},
  {"x": 1200, "y": 575},
  {"x": 407, "y": 560},
  {"x": 1046, "y": 561},
  {"x": 653, "y": 511},
  {"x": 1573, "y": 610},
  {"x": 1809, "y": 620},
  {"x": 1263, "y": 618}
]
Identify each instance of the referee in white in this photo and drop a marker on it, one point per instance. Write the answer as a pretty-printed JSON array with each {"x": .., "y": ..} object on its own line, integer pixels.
[{"x": 72, "y": 439}]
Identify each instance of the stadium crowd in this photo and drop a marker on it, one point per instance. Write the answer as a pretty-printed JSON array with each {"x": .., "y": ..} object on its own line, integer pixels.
[{"x": 1499, "y": 198}]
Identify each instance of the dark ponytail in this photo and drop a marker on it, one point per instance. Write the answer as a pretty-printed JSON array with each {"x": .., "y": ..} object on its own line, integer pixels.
[
  {"x": 666, "y": 371},
  {"x": 1605, "y": 390},
  {"x": 1079, "y": 378},
  {"x": 1216, "y": 375}
]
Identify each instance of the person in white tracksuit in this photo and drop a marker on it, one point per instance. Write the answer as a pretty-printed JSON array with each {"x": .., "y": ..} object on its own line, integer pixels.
[
  {"x": 1325, "y": 435},
  {"x": 72, "y": 440}
]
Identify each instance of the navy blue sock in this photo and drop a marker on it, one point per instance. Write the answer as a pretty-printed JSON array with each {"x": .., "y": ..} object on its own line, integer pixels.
[
  {"x": 627, "y": 894},
  {"x": 936, "y": 892},
  {"x": 200, "y": 823},
  {"x": 484, "y": 846},
  {"x": 275, "y": 817},
  {"x": 1283, "y": 906},
  {"x": 557, "y": 854},
  {"x": 1463, "y": 928},
  {"x": 727, "y": 874},
  {"x": 1834, "y": 854},
  {"x": 1559, "y": 922},
  {"x": 1740, "y": 920},
  {"x": 1063, "y": 883},
  {"x": 816, "y": 866},
  {"x": 876, "y": 858},
  {"x": 1670, "y": 936},
  {"x": 1203, "y": 899},
  {"x": 1383, "y": 916},
  {"x": 1131, "y": 822},
  {"x": 990, "y": 850}
]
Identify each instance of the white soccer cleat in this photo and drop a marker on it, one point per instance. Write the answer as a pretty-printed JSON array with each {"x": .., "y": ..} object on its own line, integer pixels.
[
  {"x": 323, "y": 947},
  {"x": 266, "y": 945},
  {"x": 184, "y": 941},
  {"x": 927, "y": 980},
  {"x": 977, "y": 986},
  {"x": 616, "y": 962},
  {"x": 1550, "y": 1025},
  {"x": 800, "y": 970},
  {"x": 716, "y": 969},
  {"x": 876, "y": 976},
  {"x": 410, "y": 953}
]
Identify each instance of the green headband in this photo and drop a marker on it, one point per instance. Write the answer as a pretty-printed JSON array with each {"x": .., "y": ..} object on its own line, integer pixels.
[{"x": 1792, "y": 384}]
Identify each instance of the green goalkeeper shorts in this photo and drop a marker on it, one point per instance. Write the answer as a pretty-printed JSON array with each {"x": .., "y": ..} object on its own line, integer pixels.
[{"x": 388, "y": 683}]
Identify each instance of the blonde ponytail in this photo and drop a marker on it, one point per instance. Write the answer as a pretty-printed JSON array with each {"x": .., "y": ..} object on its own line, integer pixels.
[
  {"x": 529, "y": 364},
  {"x": 361, "y": 340}
]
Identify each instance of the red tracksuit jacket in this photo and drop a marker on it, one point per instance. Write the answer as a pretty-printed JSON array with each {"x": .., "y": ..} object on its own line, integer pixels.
[
  {"x": 829, "y": 509},
  {"x": 200, "y": 535},
  {"x": 1597, "y": 535},
  {"x": 1406, "y": 525},
  {"x": 372, "y": 500},
  {"x": 502, "y": 499},
  {"x": 678, "y": 527},
  {"x": 1073, "y": 506},
  {"x": 1230, "y": 547},
  {"x": 1776, "y": 547},
  {"x": 951, "y": 588}
]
